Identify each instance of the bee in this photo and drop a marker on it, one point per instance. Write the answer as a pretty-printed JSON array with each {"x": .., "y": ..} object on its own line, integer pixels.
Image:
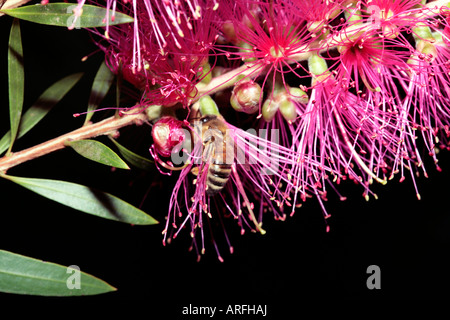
[{"x": 218, "y": 153}]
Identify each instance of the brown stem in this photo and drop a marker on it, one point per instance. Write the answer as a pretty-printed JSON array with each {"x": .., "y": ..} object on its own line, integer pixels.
[{"x": 105, "y": 127}]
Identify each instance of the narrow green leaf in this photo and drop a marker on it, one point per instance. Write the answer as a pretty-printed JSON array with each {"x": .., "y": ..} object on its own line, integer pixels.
[
  {"x": 133, "y": 158},
  {"x": 25, "y": 275},
  {"x": 97, "y": 151},
  {"x": 15, "y": 79},
  {"x": 61, "y": 15},
  {"x": 85, "y": 199},
  {"x": 41, "y": 107},
  {"x": 102, "y": 82}
]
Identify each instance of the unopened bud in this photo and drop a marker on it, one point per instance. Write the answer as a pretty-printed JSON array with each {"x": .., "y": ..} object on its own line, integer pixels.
[
  {"x": 438, "y": 37},
  {"x": 298, "y": 95},
  {"x": 247, "y": 50},
  {"x": 208, "y": 106},
  {"x": 229, "y": 31},
  {"x": 288, "y": 109},
  {"x": 352, "y": 14},
  {"x": 269, "y": 109},
  {"x": 422, "y": 31},
  {"x": 205, "y": 73},
  {"x": 430, "y": 50},
  {"x": 317, "y": 65},
  {"x": 153, "y": 112},
  {"x": 391, "y": 31},
  {"x": 245, "y": 97},
  {"x": 285, "y": 101},
  {"x": 426, "y": 48},
  {"x": 314, "y": 27},
  {"x": 167, "y": 134}
]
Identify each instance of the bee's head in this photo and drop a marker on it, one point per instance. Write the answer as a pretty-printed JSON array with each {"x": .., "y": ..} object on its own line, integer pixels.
[
  {"x": 207, "y": 118},
  {"x": 212, "y": 128}
]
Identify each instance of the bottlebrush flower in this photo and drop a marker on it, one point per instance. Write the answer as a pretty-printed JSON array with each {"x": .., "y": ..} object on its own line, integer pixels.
[
  {"x": 391, "y": 17},
  {"x": 165, "y": 52},
  {"x": 374, "y": 81},
  {"x": 337, "y": 130},
  {"x": 318, "y": 14},
  {"x": 428, "y": 95},
  {"x": 373, "y": 59},
  {"x": 268, "y": 36},
  {"x": 259, "y": 180}
]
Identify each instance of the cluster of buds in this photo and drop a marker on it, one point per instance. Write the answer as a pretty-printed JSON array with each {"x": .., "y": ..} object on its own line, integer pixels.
[{"x": 330, "y": 90}]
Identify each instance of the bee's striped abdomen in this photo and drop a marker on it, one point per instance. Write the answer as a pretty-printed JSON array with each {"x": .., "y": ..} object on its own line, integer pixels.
[{"x": 218, "y": 175}]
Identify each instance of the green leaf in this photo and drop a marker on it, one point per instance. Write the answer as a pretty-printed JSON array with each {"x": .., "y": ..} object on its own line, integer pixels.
[
  {"x": 100, "y": 87},
  {"x": 133, "y": 158},
  {"x": 15, "y": 79},
  {"x": 97, "y": 151},
  {"x": 41, "y": 107},
  {"x": 85, "y": 199},
  {"x": 61, "y": 15},
  {"x": 25, "y": 275}
]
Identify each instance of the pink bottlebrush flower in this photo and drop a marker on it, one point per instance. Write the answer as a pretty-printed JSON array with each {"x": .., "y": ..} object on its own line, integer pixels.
[
  {"x": 338, "y": 131},
  {"x": 392, "y": 16},
  {"x": 226, "y": 170},
  {"x": 372, "y": 65},
  {"x": 269, "y": 36},
  {"x": 426, "y": 85},
  {"x": 165, "y": 16},
  {"x": 371, "y": 96},
  {"x": 164, "y": 64},
  {"x": 368, "y": 62},
  {"x": 428, "y": 98},
  {"x": 318, "y": 14}
]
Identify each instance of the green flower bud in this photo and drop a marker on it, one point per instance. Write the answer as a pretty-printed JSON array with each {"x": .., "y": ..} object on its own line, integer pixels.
[
  {"x": 269, "y": 109},
  {"x": 208, "y": 106},
  {"x": 422, "y": 31},
  {"x": 285, "y": 102},
  {"x": 287, "y": 109},
  {"x": 352, "y": 14},
  {"x": 298, "y": 95},
  {"x": 154, "y": 112},
  {"x": 438, "y": 36},
  {"x": 426, "y": 48},
  {"x": 244, "y": 47},
  {"x": 429, "y": 49},
  {"x": 206, "y": 73},
  {"x": 245, "y": 97},
  {"x": 229, "y": 31},
  {"x": 317, "y": 65},
  {"x": 314, "y": 27}
]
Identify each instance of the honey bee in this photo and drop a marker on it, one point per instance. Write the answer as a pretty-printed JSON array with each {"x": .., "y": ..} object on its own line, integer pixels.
[{"x": 218, "y": 153}]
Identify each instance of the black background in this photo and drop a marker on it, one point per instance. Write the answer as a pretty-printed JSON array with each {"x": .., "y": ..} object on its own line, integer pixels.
[{"x": 295, "y": 261}]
